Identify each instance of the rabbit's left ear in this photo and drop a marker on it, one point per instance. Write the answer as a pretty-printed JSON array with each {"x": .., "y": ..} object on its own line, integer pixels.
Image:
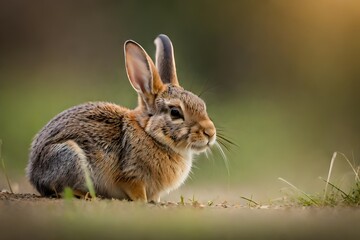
[
  {"x": 141, "y": 70},
  {"x": 165, "y": 61}
]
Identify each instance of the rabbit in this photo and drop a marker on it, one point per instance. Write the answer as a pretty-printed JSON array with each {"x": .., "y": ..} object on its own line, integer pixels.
[{"x": 138, "y": 154}]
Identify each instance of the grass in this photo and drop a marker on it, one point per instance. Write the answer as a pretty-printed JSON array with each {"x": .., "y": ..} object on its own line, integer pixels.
[
  {"x": 89, "y": 183},
  {"x": 68, "y": 193},
  {"x": 4, "y": 169},
  {"x": 333, "y": 195},
  {"x": 251, "y": 202}
]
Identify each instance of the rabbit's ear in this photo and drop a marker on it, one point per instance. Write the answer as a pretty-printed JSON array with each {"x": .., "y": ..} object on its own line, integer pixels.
[
  {"x": 141, "y": 70},
  {"x": 165, "y": 61}
]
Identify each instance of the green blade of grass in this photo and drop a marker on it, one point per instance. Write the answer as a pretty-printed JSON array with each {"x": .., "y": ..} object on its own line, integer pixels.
[
  {"x": 299, "y": 190},
  {"x": 182, "y": 200},
  {"x": 334, "y": 186},
  {"x": 68, "y": 193}
]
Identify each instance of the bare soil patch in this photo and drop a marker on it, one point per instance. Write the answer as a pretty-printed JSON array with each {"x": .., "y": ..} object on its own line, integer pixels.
[{"x": 7, "y": 196}]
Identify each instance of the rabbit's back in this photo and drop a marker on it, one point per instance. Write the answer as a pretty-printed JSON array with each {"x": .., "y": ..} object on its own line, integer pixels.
[{"x": 91, "y": 123}]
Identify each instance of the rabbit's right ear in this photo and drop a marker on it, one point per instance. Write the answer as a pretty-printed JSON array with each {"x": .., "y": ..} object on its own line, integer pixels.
[
  {"x": 165, "y": 61},
  {"x": 141, "y": 70}
]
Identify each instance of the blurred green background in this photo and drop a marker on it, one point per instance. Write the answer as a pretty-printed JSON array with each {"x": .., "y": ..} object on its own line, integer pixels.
[{"x": 280, "y": 77}]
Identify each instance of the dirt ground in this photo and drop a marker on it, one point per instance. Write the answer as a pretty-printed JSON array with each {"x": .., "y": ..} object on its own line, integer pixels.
[
  {"x": 31, "y": 216},
  {"x": 6, "y": 196},
  {"x": 34, "y": 198}
]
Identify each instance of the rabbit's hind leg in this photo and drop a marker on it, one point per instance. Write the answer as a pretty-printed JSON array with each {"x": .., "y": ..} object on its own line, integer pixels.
[{"x": 62, "y": 165}]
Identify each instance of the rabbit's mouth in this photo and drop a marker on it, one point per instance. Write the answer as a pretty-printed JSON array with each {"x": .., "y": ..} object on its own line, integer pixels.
[{"x": 199, "y": 148}]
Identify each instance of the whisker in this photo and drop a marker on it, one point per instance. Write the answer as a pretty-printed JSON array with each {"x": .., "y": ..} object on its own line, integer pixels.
[
  {"x": 190, "y": 176},
  {"x": 223, "y": 141},
  {"x": 222, "y": 137},
  {"x": 223, "y": 156},
  {"x": 207, "y": 89},
  {"x": 224, "y": 144},
  {"x": 206, "y": 154},
  {"x": 203, "y": 90},
  {"x": 209, "y": 151},
  {"x": 222, "y": 128},
  {"x": 187, "y": 145},
  {"x": 195, "y": 167}
]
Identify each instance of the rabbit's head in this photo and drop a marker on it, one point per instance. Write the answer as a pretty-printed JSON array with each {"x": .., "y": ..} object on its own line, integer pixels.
[{"x": 175, "y": 118}]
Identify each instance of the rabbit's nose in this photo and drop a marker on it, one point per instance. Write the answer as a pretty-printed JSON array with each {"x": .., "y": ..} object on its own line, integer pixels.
[{"x": 209, "y": 132}]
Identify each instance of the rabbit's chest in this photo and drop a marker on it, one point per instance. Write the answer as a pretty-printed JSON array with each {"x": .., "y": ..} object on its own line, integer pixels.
[{"x": 175, "y": 173}]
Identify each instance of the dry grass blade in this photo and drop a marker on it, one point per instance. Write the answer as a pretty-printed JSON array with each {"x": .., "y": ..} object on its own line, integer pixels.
[
  {"x": 4, "y": 169},
  {"x": 356, "y": 172},
  {"x": 89, "y": 183},
  {"x": 250, "y": 201},
  {"x": 329, "y": 174}
]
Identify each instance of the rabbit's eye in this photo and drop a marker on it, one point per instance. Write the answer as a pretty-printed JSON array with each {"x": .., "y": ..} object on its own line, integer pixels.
[{"x": 176, "y": 113}]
